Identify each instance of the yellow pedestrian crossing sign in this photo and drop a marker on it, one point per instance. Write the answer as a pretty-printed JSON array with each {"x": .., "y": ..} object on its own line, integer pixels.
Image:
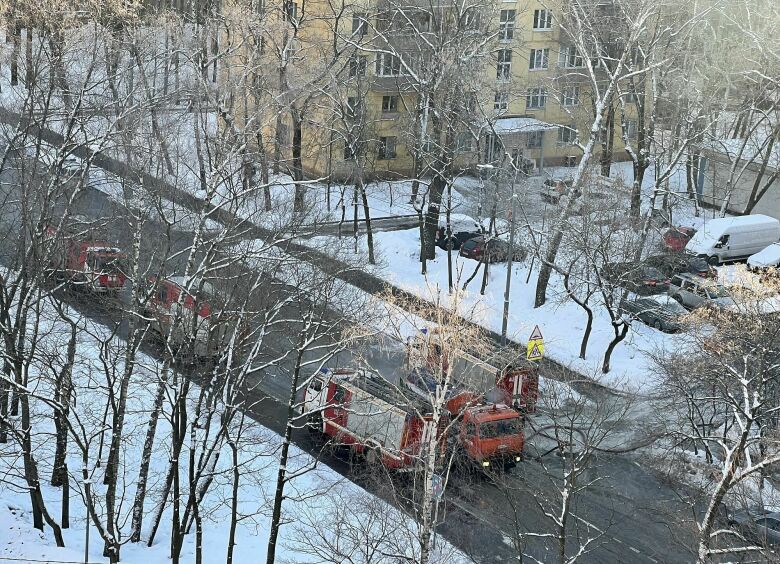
[{"x": 535, "y": 345}]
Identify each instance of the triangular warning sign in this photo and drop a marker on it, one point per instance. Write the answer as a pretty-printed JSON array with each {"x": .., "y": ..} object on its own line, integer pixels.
[
  {"x": 536, "y": 335},
  {"x": 535, "y": 350}
]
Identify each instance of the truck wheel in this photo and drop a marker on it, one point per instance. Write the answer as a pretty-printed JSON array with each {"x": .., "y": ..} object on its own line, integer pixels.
[{"x": 713, "y": 260}]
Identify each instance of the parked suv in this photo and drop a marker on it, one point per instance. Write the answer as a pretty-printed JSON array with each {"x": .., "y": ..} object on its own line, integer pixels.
[{"x": 694, "y": 291}]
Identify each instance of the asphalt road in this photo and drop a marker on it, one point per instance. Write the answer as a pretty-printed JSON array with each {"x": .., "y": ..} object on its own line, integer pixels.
[{"x": 637, "y": 517}]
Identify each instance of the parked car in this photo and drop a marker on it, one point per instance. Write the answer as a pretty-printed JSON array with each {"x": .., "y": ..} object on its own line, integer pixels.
[
  {"x": 767, "y": 258},
  {"x": 733, "y": 238},
  {"x": 494, "y": 250},
  {"x": 637, "y": 277},
  {"x": 554, "y": 188},
  {"x": 762, "y": 526},
  {"x": 695, "y": 291},
  {"x": 659, "y": 311},
  {"x": 673, "y": 263},
  {"x": 675, "y": 238},
  {"x": 457, "y": 238}
]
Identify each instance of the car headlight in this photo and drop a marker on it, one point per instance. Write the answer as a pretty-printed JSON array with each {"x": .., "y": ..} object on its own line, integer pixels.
[
  {"x": 518, "y": 458},
  {"x": 485, "y": 463}
]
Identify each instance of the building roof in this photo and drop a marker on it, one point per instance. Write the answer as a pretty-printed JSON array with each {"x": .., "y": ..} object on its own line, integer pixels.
[{"x": 520, "y": 125}]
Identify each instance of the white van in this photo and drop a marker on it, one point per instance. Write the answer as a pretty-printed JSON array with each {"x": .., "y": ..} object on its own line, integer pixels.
[{"x": 731, "y": 238}]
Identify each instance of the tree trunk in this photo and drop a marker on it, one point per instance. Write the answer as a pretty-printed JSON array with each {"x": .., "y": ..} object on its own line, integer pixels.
[
  {"x": 297, "y": 160},
  {"x": 15, "y": 53},
  {"x": 146, "y": 455},
  {"x": 435, "y": 192},
  {"x": 29, "y": 75},
  {"x": 620, "y": 334},
  {"x": 281, "y": 478},
  {"x": 367, "y": 217},
  {"x": 233, "y": 503},
  {"x": 608, "y": 144}
]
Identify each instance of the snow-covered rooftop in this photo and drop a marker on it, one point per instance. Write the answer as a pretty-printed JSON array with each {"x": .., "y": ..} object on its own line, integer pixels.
[{"x": 521, "y": 125}]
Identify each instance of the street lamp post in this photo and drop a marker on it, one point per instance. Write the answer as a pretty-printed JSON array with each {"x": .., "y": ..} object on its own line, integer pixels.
[{"x": 510, "y": 259}]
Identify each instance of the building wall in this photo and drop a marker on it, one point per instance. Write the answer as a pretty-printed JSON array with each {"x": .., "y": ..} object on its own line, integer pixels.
[{"x": 323, "y": 128}]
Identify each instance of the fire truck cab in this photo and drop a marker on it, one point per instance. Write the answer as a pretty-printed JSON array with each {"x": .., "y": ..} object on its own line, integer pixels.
[{"x": 82, "y": 259}]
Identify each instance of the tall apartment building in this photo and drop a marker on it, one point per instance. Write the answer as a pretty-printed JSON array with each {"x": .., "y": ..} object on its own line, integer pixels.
[{"x": 360, "y": 110}]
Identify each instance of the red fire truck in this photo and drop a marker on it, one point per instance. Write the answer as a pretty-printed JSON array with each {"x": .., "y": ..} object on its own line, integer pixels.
[
  {"x": 508, "y": 378},
  {"x": 82, "y": 258},
  {"x": 360, "y": 410},
  {"x": 179, "y": 314}
]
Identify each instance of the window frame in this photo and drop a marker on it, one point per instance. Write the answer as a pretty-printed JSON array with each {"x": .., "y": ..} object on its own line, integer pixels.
[
  {"x": 387, "y": 62},
  {"x": 357, "y": 65},
  {"x": 534, "y": 135},
  {"x": 506, "y": 25},
  {"x": 544, "y": 16},
  {"x": 503, "y": 64},
  {"x": 391, "y": 107},
  {"x": 570, "y": 138},
  {"x": 361, "y": 29},
  {"x": 538, "y": 94},
  {"x": 570, "y": 96},
  {"x": 501, "y": 101},
  {"x": 539, "y": 59},
  {"x": 569, "y": 59},
  {"x": 383, "y": 154}
]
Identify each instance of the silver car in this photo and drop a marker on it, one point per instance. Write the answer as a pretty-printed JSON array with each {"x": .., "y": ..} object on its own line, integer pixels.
[
  {"x": 695, "y": 291},
  {"x": 763, "y": 526}
]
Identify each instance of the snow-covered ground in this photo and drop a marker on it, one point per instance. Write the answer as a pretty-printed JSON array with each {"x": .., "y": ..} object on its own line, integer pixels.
[{"x": 321, "y": 504}]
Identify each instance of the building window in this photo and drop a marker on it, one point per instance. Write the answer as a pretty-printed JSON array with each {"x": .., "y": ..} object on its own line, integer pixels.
[
  {"x": 354, "y": 107},
  {"x": 424, "y": 22},
  {"x": 504, "y": 66},
  {"x": 629, "y": 128},
  {"x": 290, "y": 11},
  {"x": 631, "y": 97},
  {"x": 534, "y": 139},
  {"x": 471, "y": 18},
  {"x": 567, "y": 135},
  {"x": 349, "y": 151},
  {"x": 539, "y": 59},
  {"x": 284, "y": 135},
  {"x": 357, "y": 66},
  {"x": 389, "y": 104},
  {"x": 465, "y": 142},
  {"x": 542, "y": 19},
  {"x": 536, "y": 98},
  {"x": 568, "y": 58},
  {"x": 386, "y": 148},
  {"x": 388, "y": 64},
  {"x": 359, "y": 25},
  {"x": 506, "y": 26},
  {"x": 571, "y": 96},
  {"x": 501, "y": 101}
]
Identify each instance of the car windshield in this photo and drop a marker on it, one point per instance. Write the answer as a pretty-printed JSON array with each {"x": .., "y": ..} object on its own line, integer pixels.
[
  {"x": 653, "y": 274},
  {"x": 104, "y": 263},
  {"x": 669, "y": 304},
  {"x": 500, "y": 428},
  {"x": 470, "y": 244}
]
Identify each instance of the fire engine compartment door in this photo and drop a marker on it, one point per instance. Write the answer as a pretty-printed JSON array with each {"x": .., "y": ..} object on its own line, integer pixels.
[
  {"x": 376, "y": 421},
  {"x": 339, "y": 399}
]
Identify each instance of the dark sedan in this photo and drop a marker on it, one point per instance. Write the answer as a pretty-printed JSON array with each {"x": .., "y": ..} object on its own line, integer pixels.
[
  {"x": 762, "y": 526},
  {"x": 639, "y": 278},
  {"x": 457, "y": 238},
  {"x": 660, "y": 311},
  {"x": 489, "y": 250},
  {"x": 671, "y": 264}
]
